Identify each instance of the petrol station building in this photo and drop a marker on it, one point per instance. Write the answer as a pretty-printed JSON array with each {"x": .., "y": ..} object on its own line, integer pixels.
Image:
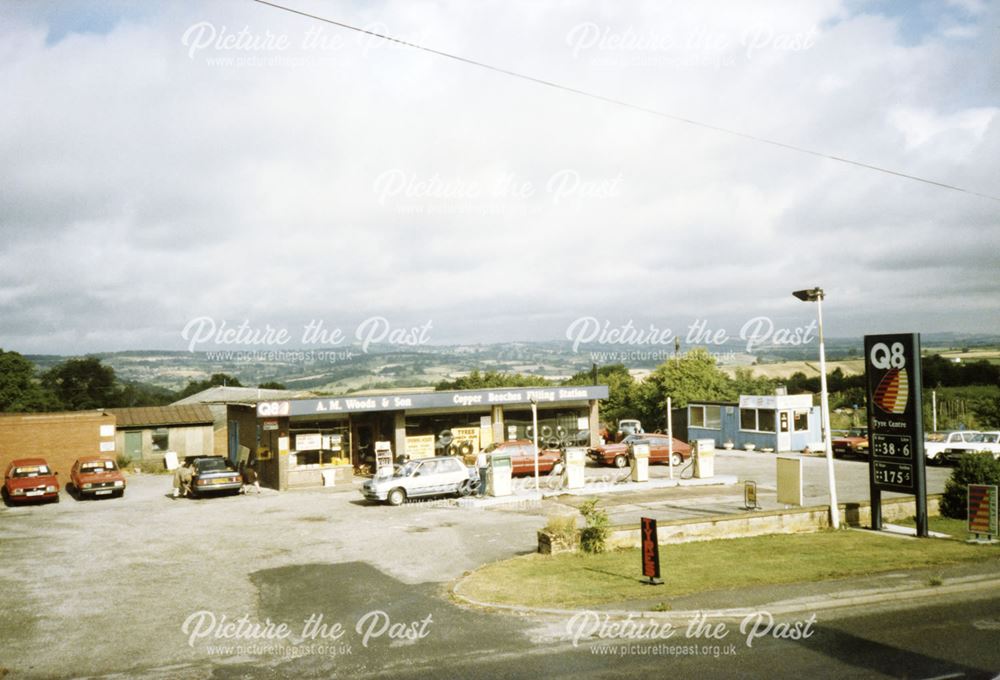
[{"x": 313, "y": 442}]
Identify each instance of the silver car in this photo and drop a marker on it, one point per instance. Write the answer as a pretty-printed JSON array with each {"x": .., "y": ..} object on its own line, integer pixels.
[{"x": 427, "y": 477}]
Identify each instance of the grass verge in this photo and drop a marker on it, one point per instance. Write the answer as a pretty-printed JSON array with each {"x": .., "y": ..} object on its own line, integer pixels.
[{"x": 574, "y": 579}]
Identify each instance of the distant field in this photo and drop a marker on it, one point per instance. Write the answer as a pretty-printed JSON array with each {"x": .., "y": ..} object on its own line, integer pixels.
[
  {"x": 811, "y": 368},
  {"x": 991, "y": 355}
]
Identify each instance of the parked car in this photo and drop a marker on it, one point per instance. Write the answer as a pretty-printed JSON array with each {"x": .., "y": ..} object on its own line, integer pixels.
[
  {"x": 940, "y": 447},
  {"x": 975, "y": 442},
  {"x": 214, "y": 475},
  {"x": 659, "y": 450},
  {"x": 29, "y": 480},
  {"x": 854, "y": 443},
  {"x": 626, "y": 428},
  {"x": 438, "y": 476},
  {"x": 522, "y": 457},
  {"x": 94, "y": 476}
]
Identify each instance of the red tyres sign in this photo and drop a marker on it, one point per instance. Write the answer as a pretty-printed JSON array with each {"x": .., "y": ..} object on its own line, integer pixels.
[
  {"x": 983, "y": 509},
  {"x": 650, "y": 551}
]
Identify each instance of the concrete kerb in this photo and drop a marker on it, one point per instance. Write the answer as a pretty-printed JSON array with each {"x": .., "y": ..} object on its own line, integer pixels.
[
  {"x": 592, "y": 490},
  {"x": 824, "y": 602}
]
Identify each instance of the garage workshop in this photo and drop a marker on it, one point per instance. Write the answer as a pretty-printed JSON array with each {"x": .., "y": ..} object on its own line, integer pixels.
[{"x": 313, "y": 442}]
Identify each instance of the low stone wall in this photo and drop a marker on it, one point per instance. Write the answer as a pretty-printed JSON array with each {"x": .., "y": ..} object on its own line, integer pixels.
[{"x": 743, "y": 525}]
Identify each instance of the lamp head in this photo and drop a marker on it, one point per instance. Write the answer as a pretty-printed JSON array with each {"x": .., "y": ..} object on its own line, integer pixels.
[{"x": 809, "y": 295}]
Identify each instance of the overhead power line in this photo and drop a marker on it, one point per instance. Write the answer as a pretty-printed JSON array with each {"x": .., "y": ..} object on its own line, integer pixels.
[{"x": 629, "y": 105}]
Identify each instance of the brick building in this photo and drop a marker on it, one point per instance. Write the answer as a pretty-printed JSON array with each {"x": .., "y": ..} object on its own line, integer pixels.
[{"x": 59, "y": 438}]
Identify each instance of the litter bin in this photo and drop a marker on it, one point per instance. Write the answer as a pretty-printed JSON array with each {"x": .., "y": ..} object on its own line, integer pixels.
[
  {"x": 500, "y": 475},
  {"x": 576, "y": 463},
  {"x": 704, "y": 458},
  {"x": 639, "y": 452}
]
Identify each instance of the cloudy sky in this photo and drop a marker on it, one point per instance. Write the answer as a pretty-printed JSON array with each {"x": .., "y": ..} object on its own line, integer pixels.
[{"x": 235, "y": 162}]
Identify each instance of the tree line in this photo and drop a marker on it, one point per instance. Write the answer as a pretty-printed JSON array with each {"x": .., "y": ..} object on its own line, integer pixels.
[{"x": 85, "y": 383}]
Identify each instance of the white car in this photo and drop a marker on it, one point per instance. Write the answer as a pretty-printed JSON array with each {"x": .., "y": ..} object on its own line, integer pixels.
[
  {"x": 949, "y": 446},
  {"x": 437, "y": 476}
]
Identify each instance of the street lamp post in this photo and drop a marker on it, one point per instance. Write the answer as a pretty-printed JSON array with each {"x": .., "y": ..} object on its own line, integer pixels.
[
  {"x": 816, "y": 295},
  {"x": 534, "y": 434}
]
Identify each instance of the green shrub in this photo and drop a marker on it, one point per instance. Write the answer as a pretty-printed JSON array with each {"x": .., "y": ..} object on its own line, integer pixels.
[
  {"x": 562, "y": 529},
  {"x": 594, "y": 537},
  {"x": 972, "y": 468},
  {"x": 123, "y": 460}
]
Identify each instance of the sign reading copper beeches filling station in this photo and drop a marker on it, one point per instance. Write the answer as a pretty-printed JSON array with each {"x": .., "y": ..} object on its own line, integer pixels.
[{"x": 895, "y": 422}]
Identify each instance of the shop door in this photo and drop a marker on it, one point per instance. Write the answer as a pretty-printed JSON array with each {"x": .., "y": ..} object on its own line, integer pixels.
[
  {"x": 784, "y": 431},
  {"x": 133, "y": 445},
  {"x": 234, "y": 441}
]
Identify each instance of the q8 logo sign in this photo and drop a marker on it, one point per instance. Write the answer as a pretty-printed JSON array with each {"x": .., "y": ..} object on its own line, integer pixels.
[{"x": 893, "y": 390}]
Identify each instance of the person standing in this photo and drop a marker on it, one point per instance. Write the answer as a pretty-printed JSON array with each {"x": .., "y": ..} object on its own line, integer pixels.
[
  {"x": 482, "y": 464},
  {"x": 250, "y": 479},
  {"x": 182, "y": 479}
]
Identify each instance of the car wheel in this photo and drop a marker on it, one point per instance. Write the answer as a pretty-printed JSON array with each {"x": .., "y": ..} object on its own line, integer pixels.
[
  {"x": 558, "y": 468},
  {"x": 621, "y": 461},
  {"x": 677, "y": 459},
  {"x": 396, "y": 497},
  {"x": 465, "y": 488}
]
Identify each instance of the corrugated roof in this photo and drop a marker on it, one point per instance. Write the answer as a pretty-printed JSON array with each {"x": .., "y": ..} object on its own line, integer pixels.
[
  {"x": 238, "y": 395},
  {"x": 156, "y": 416}
]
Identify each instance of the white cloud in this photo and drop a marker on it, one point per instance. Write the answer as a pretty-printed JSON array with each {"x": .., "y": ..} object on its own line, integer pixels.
[{"x": 152, "y": 185}]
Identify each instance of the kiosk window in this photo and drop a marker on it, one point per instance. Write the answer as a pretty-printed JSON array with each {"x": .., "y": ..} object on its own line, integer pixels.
[
  {"x": 707, "y": 416},
  {"x": 757, "y": 420}
]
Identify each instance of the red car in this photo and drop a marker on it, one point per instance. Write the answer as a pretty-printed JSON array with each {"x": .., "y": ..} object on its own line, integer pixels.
[
  {"x": 97, "y": 476},
  {"x": 30, "y": 479},
  {"x": 854, "y": 443},
  {"x": 522, "y": 457},
  {"x": 659, "y": 450}
]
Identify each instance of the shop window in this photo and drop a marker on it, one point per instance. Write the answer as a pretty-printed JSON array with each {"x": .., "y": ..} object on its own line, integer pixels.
[
  {"x": 161, "y": 439},
  {"x": 320, "y": 444},
  {"x": 800, "y": 421},
  {"x": 709, "y": 417},
  {"x": 757, "y": 420}
]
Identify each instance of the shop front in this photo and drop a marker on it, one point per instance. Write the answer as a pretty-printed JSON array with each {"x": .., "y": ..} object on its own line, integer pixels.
[{"x": 325, "y": 441}]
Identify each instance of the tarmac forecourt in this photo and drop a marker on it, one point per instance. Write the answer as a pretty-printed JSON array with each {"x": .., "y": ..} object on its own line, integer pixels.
[{"x": 827, "y": 568}]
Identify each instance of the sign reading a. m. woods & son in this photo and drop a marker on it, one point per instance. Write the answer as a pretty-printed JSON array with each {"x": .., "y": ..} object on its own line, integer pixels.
[{"x": 895, "y": 422}]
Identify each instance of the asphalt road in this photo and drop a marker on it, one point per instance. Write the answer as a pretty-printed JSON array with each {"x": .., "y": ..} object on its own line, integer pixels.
[{"x": 146, "y": 586}]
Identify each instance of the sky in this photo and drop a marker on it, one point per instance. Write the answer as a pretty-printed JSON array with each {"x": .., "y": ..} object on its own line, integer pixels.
[{"x": 207, "y": 165}]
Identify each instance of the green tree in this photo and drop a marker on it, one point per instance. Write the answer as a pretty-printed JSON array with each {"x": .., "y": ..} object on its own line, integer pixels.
[
  {"x": 692, "y": 377},
  {"x": 20, "y": 391},
  {"x": 80, "y": 384},
  {"x": 141, "y": 394},
  {"x": 217, "y": 379},
  {"x": 272, "y": 385},
  {"x": 621, "y": 385},
  {"x": 746, "y": 382},
  {"x": 972, "y": 468},
  {"x": 479, "y": 381}
]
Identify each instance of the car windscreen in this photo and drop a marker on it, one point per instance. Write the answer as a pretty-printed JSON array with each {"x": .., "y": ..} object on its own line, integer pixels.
[
  {"x": 31, "y": 471},
  {"x": 97, "y": 467},
  {"x": 211, "y": 465}
]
